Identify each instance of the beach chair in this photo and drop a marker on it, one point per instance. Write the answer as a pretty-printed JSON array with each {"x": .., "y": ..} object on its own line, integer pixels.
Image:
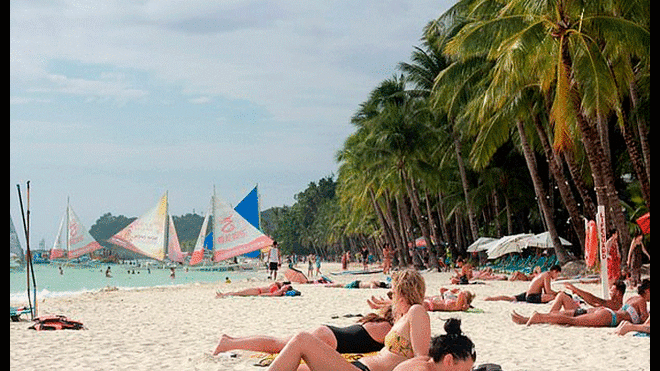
[{"x": 15, "y": 313}]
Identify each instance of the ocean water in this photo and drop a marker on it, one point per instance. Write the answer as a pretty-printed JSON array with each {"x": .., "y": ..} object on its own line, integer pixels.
[{"x": 76, "y": 280}]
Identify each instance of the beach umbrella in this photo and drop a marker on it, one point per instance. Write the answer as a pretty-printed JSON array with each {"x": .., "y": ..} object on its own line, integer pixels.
[
  {"x": 481, "y": 244},
  {"x": 295, "y": 275},
  {"x": 544, "y": 241},
  {"x": 508, "y": 245}
]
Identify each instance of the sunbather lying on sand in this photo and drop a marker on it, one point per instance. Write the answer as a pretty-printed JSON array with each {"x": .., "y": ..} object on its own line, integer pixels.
[
  {"x": 366, "y": 336},
  {"x": 453, "y": 300},
  {"x": 634, "y": 311},
  {"x": 274, "y": 289},
  {"x": 357, "y": 284},
  {"x": 539, "y": 290}
]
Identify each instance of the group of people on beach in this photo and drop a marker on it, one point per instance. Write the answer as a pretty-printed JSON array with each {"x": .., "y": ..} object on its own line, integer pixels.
[{"x": 398, "y": 331}]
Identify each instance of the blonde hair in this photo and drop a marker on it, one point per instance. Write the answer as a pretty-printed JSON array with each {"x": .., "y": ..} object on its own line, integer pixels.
[{"x": 409, "y": 284}]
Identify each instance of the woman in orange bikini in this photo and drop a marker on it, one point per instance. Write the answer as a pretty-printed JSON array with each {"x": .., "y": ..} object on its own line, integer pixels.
[
  {"x": 410, "y": 336},
  {"x": 274, "y": 289}
]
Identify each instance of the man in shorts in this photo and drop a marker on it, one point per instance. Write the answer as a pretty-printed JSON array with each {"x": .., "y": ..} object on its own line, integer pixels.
[
  {"x": 274, "y": 261},
  {"x": 564, "y": 303},
  {"x": 539, "y": 290}
]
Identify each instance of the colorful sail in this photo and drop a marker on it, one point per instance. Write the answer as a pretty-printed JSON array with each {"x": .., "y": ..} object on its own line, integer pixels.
[
  {"x": 73, "y": 240},
  {"x": 198, "y": 252},
  {"x": 249, "y": 207},
  {"x": 146, "y": 235},
  {"x": 232, "y": 234},
  {"x": 173, "y": 247},
  {"x": 15, "y": 244}
]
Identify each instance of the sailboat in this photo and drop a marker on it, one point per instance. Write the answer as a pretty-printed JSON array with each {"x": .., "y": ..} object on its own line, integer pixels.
[
  {"x": 73, "y": 240},
  {"x": 152, "y": 235},
  {"x": 233, "y": 235},
  {"x": 16, "y": 254}
]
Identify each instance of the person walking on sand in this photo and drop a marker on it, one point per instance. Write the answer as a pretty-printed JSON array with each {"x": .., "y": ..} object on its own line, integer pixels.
[
  {"x": 539, "y": 291},
  {"x": 274, "y": 261},
  {"x": 365, "y": 258}
]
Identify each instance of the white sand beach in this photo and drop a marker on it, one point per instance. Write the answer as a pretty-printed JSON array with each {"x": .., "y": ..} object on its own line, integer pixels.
[{"x": 177, "y": 328}]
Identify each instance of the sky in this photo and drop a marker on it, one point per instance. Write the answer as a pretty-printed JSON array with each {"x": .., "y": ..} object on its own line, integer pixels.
[{"x": 114, "y": 103}]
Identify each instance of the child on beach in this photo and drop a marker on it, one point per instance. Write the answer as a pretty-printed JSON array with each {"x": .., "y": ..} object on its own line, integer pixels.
[{"x": 539, "y": 291}]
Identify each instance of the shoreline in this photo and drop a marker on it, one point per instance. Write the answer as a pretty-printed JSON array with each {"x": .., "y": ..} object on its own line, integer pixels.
[{"x": 177, "y": 327}]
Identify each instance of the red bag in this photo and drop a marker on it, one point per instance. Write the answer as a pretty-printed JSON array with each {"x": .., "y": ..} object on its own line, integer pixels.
[{"x": 56, "y": 322}]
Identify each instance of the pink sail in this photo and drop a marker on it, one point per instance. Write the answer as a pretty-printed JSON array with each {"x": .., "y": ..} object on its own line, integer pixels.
[
  {"x": 198, "y": 252},
  {"x": 73, "y": 240},
  {"x": 173, "y": 247},
  {"x": 232, "y": 234},
  {"x": 146, "y": 235}
]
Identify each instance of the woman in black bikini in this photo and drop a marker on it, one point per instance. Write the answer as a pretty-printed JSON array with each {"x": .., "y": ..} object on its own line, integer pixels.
[{"x": 366, "y": 336}]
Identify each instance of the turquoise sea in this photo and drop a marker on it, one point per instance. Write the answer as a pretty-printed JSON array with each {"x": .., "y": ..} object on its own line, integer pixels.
[{"x": 75, "y": 280}]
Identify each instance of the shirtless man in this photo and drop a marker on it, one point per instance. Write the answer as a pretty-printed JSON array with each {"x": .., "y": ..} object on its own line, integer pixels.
[
  {"x": 565, "y": 303},
  {"x": 539, "y": 290}
]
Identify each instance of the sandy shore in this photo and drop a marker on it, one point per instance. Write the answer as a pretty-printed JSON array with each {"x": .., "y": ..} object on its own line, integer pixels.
[{"x": 177, "y": 328}]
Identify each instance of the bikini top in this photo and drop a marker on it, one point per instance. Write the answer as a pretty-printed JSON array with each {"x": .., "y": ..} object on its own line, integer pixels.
[
  {"x": 398, "y": 344},
  {"x": 634, "y": 316}
]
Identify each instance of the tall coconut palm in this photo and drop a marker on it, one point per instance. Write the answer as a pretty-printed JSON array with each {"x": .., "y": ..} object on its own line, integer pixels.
[{"x": 557, "y": 45}]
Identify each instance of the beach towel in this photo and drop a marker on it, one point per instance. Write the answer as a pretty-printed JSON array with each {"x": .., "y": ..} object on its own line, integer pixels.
[
  {"x": 56, "y": 322},
  {"x": 265, "y": 359}
]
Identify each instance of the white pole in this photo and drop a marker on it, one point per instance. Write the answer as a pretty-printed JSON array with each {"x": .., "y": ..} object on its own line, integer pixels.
[{"x": 602, "y": 237}]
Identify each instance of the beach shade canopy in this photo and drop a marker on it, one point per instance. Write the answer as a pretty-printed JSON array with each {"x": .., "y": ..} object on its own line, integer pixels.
[
  {"x": 295, "y": 275},
  {"x": 544, "y": 241},
  {"x": 644, "y": 223},
  {"x": 508, "y": 245},
  {"x": 481, "y": 244}
]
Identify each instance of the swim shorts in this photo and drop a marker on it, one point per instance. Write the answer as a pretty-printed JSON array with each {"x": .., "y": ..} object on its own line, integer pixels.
[
  {"x": 272, "y": 266},
  {"x": 531, "y": 298},
  {"x": 360, "y": 365},
  {"x": 353, "y": 285}
]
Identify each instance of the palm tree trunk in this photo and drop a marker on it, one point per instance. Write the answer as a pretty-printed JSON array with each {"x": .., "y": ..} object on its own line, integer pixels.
[
  {"x": 387, "y": 230},
  {"x": 562, "y": 184},
  {"x": 414, "y": 201},
  {"x": 466, "y": 188},
  {"x": 589, "y": 208},
  {"x": 562, "y": 255}
]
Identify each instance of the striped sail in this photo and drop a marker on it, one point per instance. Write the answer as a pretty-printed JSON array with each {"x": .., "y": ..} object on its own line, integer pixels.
[
  {"x": 198, "y": 252},
  {"x": 146, "y": 235},
  {"x": 173, "y": 247},
  {"x": 232, "y": 234},
  {"x": 73, "y": 240}
]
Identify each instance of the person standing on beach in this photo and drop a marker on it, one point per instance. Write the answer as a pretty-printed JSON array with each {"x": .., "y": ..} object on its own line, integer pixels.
[
  {"x": 387, "y": 258},
  {"x": 539, "y": 290},
  {"x": 274, "y": 261},
  {"x": 365, "y": 258}
]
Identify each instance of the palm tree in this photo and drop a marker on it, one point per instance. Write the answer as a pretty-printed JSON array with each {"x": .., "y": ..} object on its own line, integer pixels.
[{"x": 558, "y": 46}]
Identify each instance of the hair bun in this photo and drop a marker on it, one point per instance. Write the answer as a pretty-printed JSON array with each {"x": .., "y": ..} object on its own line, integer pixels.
[{"x": 453, "y": 326}]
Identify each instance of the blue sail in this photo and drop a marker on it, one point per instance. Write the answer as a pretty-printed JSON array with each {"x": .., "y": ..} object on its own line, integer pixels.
[{"x": 248, "y": 208}]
